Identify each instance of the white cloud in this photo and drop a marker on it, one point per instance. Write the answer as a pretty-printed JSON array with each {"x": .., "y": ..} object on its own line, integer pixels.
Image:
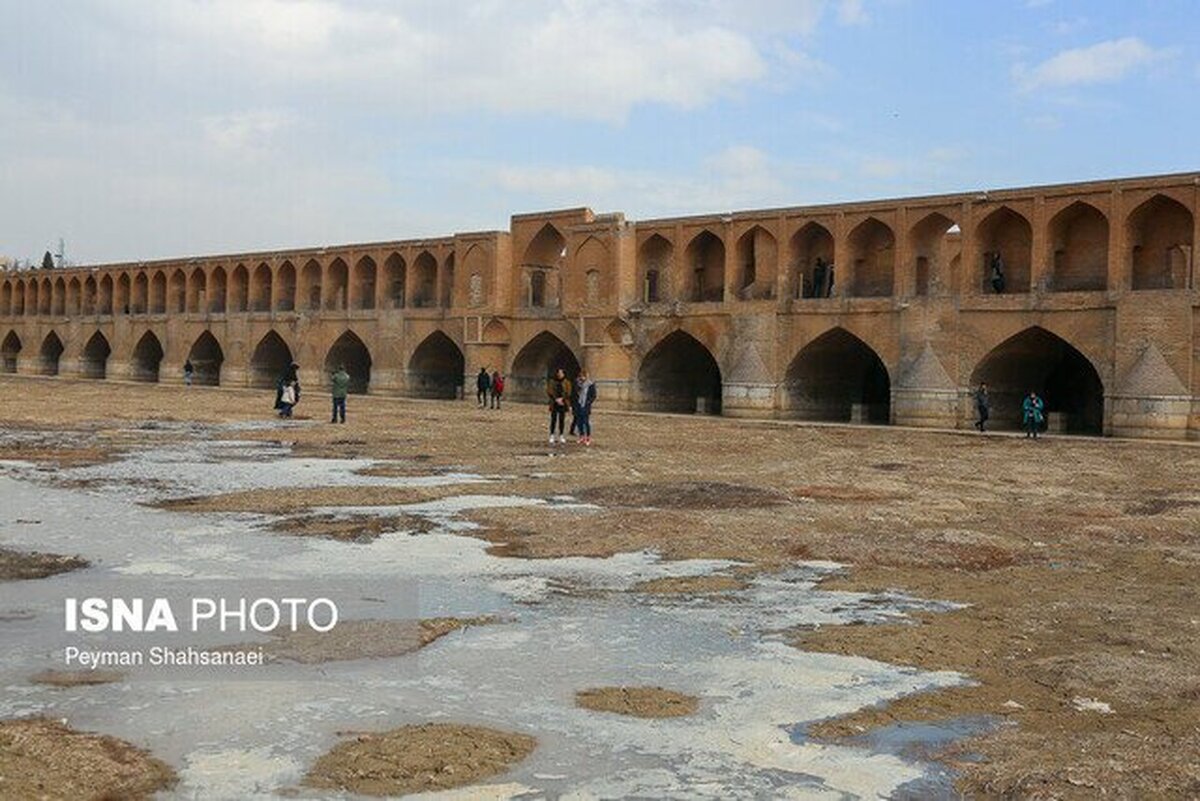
[
  {"x": 852, "y": 12},
  {"x": 1104, "y": 62}
]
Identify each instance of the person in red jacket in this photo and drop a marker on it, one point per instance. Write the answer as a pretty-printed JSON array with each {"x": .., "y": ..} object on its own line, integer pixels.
[{"x": 497, "y": 389}]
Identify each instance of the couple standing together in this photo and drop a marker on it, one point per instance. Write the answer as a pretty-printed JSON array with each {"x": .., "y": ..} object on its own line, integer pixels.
[{"x": 578, "y": 396}]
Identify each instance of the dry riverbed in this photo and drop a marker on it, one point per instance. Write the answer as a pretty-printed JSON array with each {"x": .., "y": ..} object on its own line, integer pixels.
[{"x": 1076, "y": 559}]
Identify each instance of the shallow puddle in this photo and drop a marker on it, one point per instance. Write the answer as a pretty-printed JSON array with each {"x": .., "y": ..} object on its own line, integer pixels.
[{"x": 570, "y": 626}]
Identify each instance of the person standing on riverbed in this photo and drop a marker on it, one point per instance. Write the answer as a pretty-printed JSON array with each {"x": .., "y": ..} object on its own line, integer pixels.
[
  {"x": 1032, "y": 414},
  {"x": 287, "y": 390},
  {"x": 339, "y": 388},
  {"x": 188, "y": 372},
  {"x": 585, "y": 396},
  {"x": 558, "y": 390},
  {"x": 983, "y": 406},
  {"x": 483, "y": 384}
]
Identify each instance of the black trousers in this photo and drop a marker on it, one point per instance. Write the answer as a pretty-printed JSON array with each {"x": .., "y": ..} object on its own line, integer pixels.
[{"x": 558, "y": 414}]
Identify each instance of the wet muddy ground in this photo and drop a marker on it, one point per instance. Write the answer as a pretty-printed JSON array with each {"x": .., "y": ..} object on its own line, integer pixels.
[{"x": 1071, "y": 563}]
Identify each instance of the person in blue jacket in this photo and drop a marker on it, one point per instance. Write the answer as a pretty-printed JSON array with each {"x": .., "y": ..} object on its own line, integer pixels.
[{"x": 1033, "y": 411}]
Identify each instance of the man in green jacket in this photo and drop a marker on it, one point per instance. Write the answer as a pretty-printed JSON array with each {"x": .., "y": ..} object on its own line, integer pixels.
[{"x": 339, "y": 384}]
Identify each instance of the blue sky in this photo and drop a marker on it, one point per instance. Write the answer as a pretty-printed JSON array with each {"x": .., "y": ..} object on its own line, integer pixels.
[{"x": 140, "y": 130}]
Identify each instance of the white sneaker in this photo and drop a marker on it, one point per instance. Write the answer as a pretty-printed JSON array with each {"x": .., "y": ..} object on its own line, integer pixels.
[
  {"x": 551, "y": 439},
  {"x": 562, "y": 440}
]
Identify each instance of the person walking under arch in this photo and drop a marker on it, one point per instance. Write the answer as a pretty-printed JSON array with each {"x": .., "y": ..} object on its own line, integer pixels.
[
  {"x": 483, "y": 383},
  {"x": 1032, "y": 414},
  {"x": 558, "y": 390},
  {"x": 339, "y": 388},
  {"x": 585, "y": 396},
  {"x": 188, "y": 373}
]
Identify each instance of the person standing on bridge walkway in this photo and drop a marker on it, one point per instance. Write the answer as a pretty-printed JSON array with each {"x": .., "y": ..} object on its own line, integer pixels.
[
  {"x": 983, "y": 405},
  {"x": 339, "y": 387},
  {"x": 1032, "y": 414}
]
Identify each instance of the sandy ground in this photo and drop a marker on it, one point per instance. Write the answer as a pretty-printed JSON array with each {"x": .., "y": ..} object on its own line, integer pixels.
[
  {"x": 640, "y": 702},
  {"x": 433, "y": 756},
  {"x": 23, "y": 565},
  {"x": 1077, "y": 558}
]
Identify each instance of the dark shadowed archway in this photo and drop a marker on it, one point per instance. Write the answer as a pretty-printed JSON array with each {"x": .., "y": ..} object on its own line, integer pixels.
[
  {"x": 147, "y": 357},
  {"x": 350, "y": 352},
  {"x": 93, "y": 363},
  {"x": 50, "y": 353},
  {"x": 9, "y": 351},
  {"x": 536, "y": 362},
  {"x": 206, "y": 357},
  {"x": 1047, "y": 364},
  {"x": 271, "y": 356},
  {"x": 838, "y": 378},
  {"x": 679, "y": 374},
  {"x": 436, "y": 368}
]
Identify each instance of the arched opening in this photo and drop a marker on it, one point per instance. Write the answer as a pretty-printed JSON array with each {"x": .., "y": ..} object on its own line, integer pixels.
[
  {"x": 397, "y": 273},
  {"x": 811, "y": 256},
  {"x": 147, "y": 357},
  {"x": 51, "y": 352},
  {"x": 18, "y": 299},
  {"x": 838, "y": 378},
  {"x": 873, "y": 254},
  {"x": 6, "y": 296},
  {"x": 337, "y": 284},
  {"x": 141, "y": 294},
  {"x": 446, "y": 292},
  {"x": 271, "y": 356},
  {"x": 310, "y": 286},
  {"x": 158, "y": 293},
  {"x": 704, "y": 261},
  {"x": 541, "y": 267},
  {"x": 934, "y": 242},
  {"x": 1078, "y": 245},
  {"x": 757, "y": 255},
  {"x": 679, "y": 374},
  {"x": 206, "y": 357},
  {"x": 218, "y": 296},
  {"x": 46, "y": 297},
  {"x": 1160, "y": 244},
  {"x": 436, "y": 368},
  {"x": 60, "y": 298},
  {"x": 197, "y": 292},
  {"x": 239, "y": 289},
  {"x": 94, "y": 361},
  {"x": 10, "y": 349},
  {"x": 425, "y": 280},
  {"x": 124, "y": 295},
  {"x": 654, "y": 263},
  {"x": 260, "y": 288},
  {"x": 1004, "y": 238},
  {"x": 1039, "y": 361},
  {"x": 177, "y": 292},
  {"x": 547, "y": 248},
  {"x": 351, "y": 353},
  {"x": 104, "y": 296},
  {"x": 31, "y": 298},
  {"x": 535, "y": 363},
  {"x": 285, "y": 292},
  {"x": 74, "y": 298},
  {"x": 362, "y": 289},
  {"x": 89, "y": 296}
]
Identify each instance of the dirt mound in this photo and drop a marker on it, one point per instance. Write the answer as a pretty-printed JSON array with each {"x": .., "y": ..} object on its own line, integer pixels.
[
  {"x": 639, "y": 702},
  {"x": 20, "y": 565},
  {"x": 422, "y": 758},
  {"x": 352, "y": 528},
  {"x": 76, "y": 678},
  {"x": 691, "y": 584},
  {"x": 359, "y": 639},
  {"x": 41, "y": 758},
  {"x": 292, "y": 500},
  {"x": 683, "y": 495}
]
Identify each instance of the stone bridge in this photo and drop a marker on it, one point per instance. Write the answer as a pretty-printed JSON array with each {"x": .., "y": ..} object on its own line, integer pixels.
[{"x": 883, "y": 311}]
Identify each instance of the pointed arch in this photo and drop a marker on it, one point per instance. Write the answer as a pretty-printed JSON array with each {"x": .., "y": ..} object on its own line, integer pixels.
[
  {"x": 1159, "y": 236},
  {"x": 350, "y": 352},
  {"x": 1009, "y": 234},
  {"x": 10, "y": 350},
  {"x": 239, "y": 290},
  {"x": 873, "y": 256},
  {"x": 838, "y": 378},
  {"x": 396, "y": 272},
  {"x": 18, "y": 299},
  {"x": 337, "y": 285},
  {"x": 679, "y": 374},
  {"x": 50, "y": 354},
  {"x": 271, "y": 356},
  {"x": 1043, "y": 362},
  {"x": 261, "y": 287},
  {"x": 146, "y": 359},
  {"x": 536, "y": 361},
  {"x": 1077, "y": 245},
  {"x": 362, "y": 287},
  {"x": 197, "y": 292},
  {"x": 757, "y": 257},
  {"x": 31, "y": 298},
  {"x": 285, "y": 288},
  {"x": 158, "y": 292},
  {"x": 124, "y": 295},
  {"x": 546, "y": 249},
  {"x": 310, "y": 286},
  {"x": 104, "y": 296},
  {"x": 6, "y": 297},
  {"x": 655, "y": 257},
  {"x": 88, "y": 298},
  {"x": 74, "y": 297},
  {"x": 436, "y": 368},
  {"x": 219, "y": 292},
  {"x": 93, "y": 361},
  {"x": 933, "y": 243},
  {"x": 424, "y": 292},
  {"x": 704, "y": 263},
  {"x": 206, "y": 357},
  {"x": 60, "y": 298},
  {"x": 177, "y": 292},
  {"x": 46, "y": 298}
]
